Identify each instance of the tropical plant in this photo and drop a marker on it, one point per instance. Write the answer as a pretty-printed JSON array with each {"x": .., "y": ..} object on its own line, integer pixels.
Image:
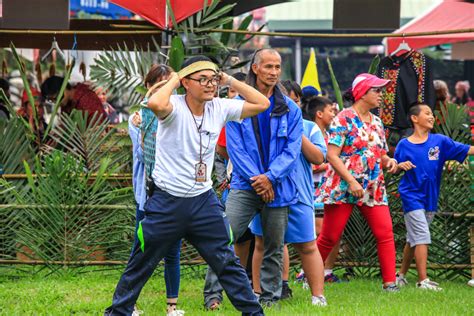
[
  {"x": 374, "y": 65},
  {"x": 67, "y": 216},
  {"x": 90, "y": 139},
  {"x": 67, "y": 210},
  {"x": 453, "y": 121},
  {"x": 121, "y": 71},
  {"x": 32, "y": 132},
  {"x": 335, "y": 85},
  {"x": 15, "y": 147}
]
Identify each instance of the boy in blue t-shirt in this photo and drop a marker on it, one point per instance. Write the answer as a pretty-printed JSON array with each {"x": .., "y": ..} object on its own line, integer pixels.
[{"x": 422, "y": 157}]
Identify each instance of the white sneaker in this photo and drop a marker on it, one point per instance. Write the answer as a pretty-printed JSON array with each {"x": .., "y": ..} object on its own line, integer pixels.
[
  {"x": 426, "y": 284},
  {"x": 176, "y": 312},
  {"x": 471, "y": 283},
  {"x": 401, "y": 280},
  {"x": 136, "y": 311},
  {"x": 319, "y": 301},
  {"x": 305, "y": 285}
]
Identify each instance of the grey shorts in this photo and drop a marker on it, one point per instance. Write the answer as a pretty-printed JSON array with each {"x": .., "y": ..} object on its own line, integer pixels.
[{"x": 418, "y": 223}]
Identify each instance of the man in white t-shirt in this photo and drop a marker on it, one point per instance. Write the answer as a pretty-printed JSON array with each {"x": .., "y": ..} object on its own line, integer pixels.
[{"x": 183, "y": 204}]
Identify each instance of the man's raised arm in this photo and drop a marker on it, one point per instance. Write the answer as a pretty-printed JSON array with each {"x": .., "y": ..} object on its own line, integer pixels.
[
  {"x": 255, "y": 102},
  {"x": 159, "y": 102}
]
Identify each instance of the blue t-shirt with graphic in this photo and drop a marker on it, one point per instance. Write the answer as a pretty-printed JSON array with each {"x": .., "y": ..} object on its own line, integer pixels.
[{"x": 419, "y": 187}]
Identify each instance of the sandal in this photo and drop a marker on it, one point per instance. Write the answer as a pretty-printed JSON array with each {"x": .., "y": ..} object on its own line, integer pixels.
[{"x": 172, "y": 311}]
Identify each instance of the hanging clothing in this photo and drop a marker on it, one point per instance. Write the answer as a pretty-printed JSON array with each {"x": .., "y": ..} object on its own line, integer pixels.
[{"x": 411, "y": 82}]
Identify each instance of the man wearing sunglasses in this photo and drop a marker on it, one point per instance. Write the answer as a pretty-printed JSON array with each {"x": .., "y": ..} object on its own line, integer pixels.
[{"x": 183, "y": 204}]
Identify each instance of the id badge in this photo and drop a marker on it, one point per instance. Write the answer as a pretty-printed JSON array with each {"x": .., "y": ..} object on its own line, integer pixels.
[{"x": 201, "y": 172}]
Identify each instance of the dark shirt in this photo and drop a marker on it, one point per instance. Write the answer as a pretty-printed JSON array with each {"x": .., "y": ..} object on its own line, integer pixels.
[
  {"x": 411, "y": 82},
  {"x": 265, "y": 132}
]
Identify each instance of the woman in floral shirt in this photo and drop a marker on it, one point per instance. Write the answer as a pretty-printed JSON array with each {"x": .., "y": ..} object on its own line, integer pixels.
[{"x": 357, "y": 151}]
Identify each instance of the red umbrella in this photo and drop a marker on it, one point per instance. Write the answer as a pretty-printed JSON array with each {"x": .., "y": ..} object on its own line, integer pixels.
[{"x": 155, "y": 11}]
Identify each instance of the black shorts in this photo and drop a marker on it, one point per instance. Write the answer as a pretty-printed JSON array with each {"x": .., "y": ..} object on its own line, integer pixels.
[{"x": 246, "y": 236}]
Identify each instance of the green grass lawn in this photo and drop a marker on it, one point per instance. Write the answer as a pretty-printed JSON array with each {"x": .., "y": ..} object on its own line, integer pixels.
[{"x": 91, "y": 293}]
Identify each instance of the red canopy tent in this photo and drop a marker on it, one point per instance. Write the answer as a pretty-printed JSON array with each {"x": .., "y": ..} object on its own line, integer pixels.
[
  {"x": 448, "y": 15},
  {"x": 155, "y": 11}
]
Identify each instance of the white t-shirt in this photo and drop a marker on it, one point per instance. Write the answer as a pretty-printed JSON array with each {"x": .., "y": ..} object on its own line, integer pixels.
[{"x": 177, "y": 144}]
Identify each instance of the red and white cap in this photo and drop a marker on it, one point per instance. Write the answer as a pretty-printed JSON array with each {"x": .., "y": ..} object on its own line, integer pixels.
[{"x": 363, "y": 82}]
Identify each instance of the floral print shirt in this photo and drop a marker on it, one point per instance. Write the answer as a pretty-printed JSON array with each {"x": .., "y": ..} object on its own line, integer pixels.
[{"x": 362, "y": 147}]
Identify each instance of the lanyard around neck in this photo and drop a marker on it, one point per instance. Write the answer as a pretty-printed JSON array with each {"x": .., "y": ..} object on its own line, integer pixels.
[{"x": 198, "y": 127}]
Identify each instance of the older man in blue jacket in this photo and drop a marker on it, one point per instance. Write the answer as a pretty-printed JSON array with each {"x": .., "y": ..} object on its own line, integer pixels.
[{"x": 264, "y": 150}]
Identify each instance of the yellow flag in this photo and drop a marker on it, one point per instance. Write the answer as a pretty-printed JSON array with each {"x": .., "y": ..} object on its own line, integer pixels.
[{"x": 310, "y": 77}]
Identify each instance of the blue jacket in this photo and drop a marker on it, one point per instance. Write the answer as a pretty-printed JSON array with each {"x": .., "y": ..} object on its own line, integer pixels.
[
  {"x": 138, "y": 180},
  {"x": 244, "y": 146}
]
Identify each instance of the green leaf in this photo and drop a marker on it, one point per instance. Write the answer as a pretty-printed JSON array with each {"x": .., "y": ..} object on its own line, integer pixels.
[
  {"x": 191, "y": 23},
  {"x": 176, "y": 54},
  {"x": 198, "y": 17},
  {"x": 141, "y": 89},
  {"x": 6, "y": 101},
  {"x": 26, "y": 85},
  {"x": 211, "y": 7},
  {"x": 204, "y": 7},
  {"x": 335, "y": 85},
  {"x": 29, "y": 174},
  {"x": 243, "y": 27},
  {"x": 119, "y": 77},
  {"x": 58, "y": 100},
  {"x": 14, "y": 145},
  {"x": 171, "y": 14},
  {"x": 374, "y": 65},
  {"x": 225, "y": 37},
  {"x": 212, "y": 25},
  {"x": 134, "y": 108},
  {"x": 453, "y": 121},
  {"x": 221, "y": 12}
]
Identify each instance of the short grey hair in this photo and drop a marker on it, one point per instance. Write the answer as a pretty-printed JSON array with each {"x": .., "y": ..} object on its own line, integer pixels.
[{"x": 257, "y": 58}]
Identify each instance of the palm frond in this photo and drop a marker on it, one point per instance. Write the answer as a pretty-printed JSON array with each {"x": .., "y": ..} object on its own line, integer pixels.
[
  {"x": 453, "y": 122},
  {"x": 15, "y": 147},
  {"x": 88, "y": 138},
  {"x": 66, "y": 222},
  {"x": 59, "y": 97},
  {"x": 121, "y": 74}
]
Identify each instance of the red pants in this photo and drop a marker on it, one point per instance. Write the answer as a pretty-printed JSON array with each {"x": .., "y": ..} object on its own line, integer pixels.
[{"x": 380, "y": 222}]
